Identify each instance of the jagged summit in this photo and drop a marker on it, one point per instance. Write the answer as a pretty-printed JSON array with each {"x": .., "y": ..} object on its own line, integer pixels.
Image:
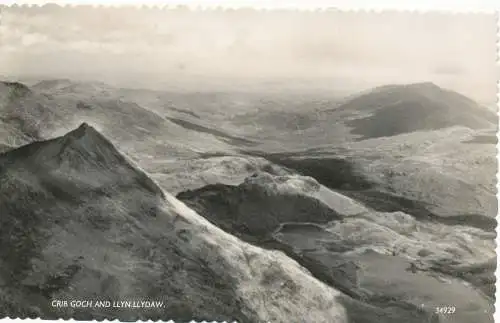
[
  {"x": 85, "y": 139},
  {"x": 84, "y": 152},
  {"x": 83, "y": 129},
  {"x": 86, "y": 134},
  {"x": 86, "y": 144}
]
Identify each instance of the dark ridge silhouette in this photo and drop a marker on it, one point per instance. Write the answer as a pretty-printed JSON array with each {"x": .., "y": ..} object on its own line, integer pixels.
[
  {"x": 398, "y": 109},
  {"x": 217, "y": 133}
]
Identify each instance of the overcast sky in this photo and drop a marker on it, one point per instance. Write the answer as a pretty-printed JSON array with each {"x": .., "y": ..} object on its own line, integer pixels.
[{"x": 148, "y": 47}]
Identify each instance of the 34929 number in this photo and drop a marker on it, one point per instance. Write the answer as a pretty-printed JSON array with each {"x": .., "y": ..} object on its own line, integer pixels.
[{"x": 445, "y": 309}]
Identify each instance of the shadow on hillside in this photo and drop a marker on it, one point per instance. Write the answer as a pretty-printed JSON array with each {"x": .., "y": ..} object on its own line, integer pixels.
[
  {"x": 343, "y": 176},
  {"x": 233, "y": 140}
]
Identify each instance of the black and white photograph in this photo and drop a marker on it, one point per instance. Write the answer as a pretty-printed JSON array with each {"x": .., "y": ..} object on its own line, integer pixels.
[{"x": 242, "y": 165}]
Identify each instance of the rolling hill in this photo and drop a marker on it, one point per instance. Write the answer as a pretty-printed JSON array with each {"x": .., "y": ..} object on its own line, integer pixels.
[{"x": 397, "y": 109}]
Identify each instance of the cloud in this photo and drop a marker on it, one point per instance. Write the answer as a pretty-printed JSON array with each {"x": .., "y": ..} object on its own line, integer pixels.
[{"x": 374, "y": 48}]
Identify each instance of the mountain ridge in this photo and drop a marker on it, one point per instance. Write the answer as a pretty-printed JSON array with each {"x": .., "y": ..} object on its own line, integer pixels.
[
  {"x": 75, "y": 232},
  {"x": 83, "y": 149}
]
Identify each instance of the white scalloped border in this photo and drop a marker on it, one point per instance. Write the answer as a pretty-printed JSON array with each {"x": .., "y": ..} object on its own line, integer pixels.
[
  {"x": 450, "y": 6},
  {"x": 104, "y": 321},
  {"x": 420, "y": 7},
  {"x": 496, "y": 315}
]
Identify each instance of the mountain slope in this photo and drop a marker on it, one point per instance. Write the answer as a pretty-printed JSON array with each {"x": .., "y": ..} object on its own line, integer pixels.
[
  {"x": 79, "y": 221},
  {"x": 396, "y": 109},
  {"x": 20, "y": 115},
  {"x": 28, "y": 114}
]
